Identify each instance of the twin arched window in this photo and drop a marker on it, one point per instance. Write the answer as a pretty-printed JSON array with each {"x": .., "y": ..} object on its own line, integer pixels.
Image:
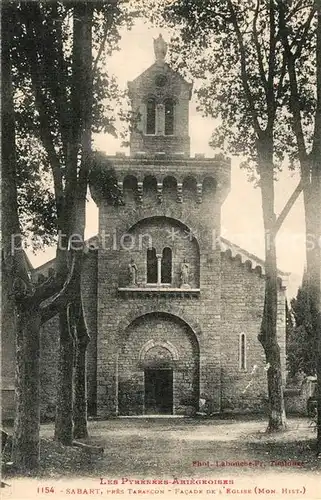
[
  {"x": 151, "y": 116},
  {"x": 159, "y": 267}
]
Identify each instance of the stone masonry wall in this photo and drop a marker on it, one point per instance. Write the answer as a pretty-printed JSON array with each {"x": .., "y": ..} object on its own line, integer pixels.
[
  {"x": 174, "y": 87},
  {"x": 49, "y": 344},
  {"x": 159, "y": 233},
  {"x": 230, "y": 302},
  {"x": 201, "y": 313},
  {"x": 242, "y": 309},
  {"x": 156, "y": 328},
  {"x": 49, "y": 352},
  {"x": 8, "y": 353},
  {"x": 89, "y": 291}
]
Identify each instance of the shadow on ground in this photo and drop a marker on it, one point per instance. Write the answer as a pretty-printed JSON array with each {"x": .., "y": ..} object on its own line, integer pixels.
[{"x": 182, "y": 448}]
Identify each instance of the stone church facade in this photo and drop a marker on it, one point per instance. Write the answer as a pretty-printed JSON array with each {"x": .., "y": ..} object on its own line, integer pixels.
[{"x": 173, "y": 310}]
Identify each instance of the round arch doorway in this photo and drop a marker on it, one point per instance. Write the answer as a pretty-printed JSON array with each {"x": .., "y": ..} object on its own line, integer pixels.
[
  {"x": 158, "y": 367},
  {"x": 158, "y": 364},
  {"x": 158, "y": 391}
]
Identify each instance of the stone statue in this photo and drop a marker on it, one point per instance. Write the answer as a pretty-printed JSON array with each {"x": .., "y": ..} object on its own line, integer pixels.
[
  {"x": 184, "y": 274},
  {"x": 132, "y": 271},
  {"x": 160, "y": 48}
]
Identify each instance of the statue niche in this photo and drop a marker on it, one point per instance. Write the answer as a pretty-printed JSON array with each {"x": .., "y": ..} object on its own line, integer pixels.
[
  {"x": 132, "y": 273},
  {"x": 185, "y": 270}
]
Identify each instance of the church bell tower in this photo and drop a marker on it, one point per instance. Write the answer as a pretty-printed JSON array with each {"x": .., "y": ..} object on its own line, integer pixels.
[
  {"x": 159, "y": 273},
  {"x": 160, "y": 102}
]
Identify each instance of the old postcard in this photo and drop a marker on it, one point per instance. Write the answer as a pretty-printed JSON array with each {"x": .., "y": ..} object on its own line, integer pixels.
[{"x": 159, "y": 332}]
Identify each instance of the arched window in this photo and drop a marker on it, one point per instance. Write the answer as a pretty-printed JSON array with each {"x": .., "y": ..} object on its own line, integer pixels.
[
  {"x": 242, "y": 351},
  {"x": 208, "y": 189},
  {"x": 130, "y": 189},
  {"x": 169, "y": 117},
  {"x": 151, "y": 116},
  {"x": 166, "y": 273},
  {"x": 190, "y": 189},
  {"x": 151, "y": 265}
]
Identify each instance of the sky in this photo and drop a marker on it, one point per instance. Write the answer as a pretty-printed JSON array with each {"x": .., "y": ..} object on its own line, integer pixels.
[{"x": 241, "y": 212}]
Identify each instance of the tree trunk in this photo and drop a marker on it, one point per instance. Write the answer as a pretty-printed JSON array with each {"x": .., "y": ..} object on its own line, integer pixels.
[
  {"x": 80, "y": 377},
  {"x": 84, "y": 37},
  {"x": 314, "y": 274},
  {"x": 268, "y": 333},
  {"x": 268, "y": 338},
  {"x": 269, "y": 342},
  {"x": 311, "y": 179},
  {"x": 64, "y": 423},
  {"x": 312, "y": 208},
  {"x": 80, "y": 392},
  {"x": 25, "y": 449}
]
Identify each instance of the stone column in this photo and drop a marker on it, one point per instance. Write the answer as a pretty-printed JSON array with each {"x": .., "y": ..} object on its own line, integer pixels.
[
  {"x": 159, "y": 269},
  {"x": 160, "y": 119}
]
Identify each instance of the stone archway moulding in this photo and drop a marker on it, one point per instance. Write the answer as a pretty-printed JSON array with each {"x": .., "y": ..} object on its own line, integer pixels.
[
  {"x": 133, "y": 220},
  {"x": 166, "y": 345},
  {"x": 126, "y": 321}
]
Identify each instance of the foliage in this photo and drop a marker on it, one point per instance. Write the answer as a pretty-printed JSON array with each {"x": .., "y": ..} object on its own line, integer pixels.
[
  {"x": 236, "y": 50},
  {"x": 43, "y": 78},
  {"x": 207, "y": 48},
  {"x": 37, "y": 210},
  {"x": 58, "y": 102},
  {"x": 103, "y": 181},
  {"x": 301, "y": 342}
]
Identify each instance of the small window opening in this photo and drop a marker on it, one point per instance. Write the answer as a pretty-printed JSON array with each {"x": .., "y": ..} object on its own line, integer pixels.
[
  {"x": 166, "y": 266},
  {"x": 151, "y": 116},
  {"x": 169, "y": 117},
  {"x": 242, "y": 351},
  {"x": 151, "y": 265}
]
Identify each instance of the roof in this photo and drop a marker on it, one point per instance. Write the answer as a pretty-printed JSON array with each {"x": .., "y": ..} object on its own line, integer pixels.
[
  {"x": 44, "y": 267},
  {"x": 226, "y": 246},
  {"x": 247, "y": 257},
  {"x": 157, "y": 66},
  {"x": 145, "y": 80},
  {"x": 27, "y": 261}
]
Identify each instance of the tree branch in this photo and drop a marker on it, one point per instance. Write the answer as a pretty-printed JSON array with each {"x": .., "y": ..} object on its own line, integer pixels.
[
  {"x": 49, "y": 48},
  {"x": 316, "y": 143},
  {"x": 76, "y": 127},
  {"x": 59, "y": 82},
  {"x": 101, "y": 47},
  {"x": 299, "y": 6},
  {"x": 76, "y": 90},
  {"x": 271, "y": 65},
  {"x": 287, "y": 207},
  {"x": 307, "y": 24},
  {"x": 244, "y": 75},
  {"x": 258, "y": 49},
  {"x": 44, "y": 130},
  {"x": 82, "y": 53},
  {"x": 46, "y": 290},
  {"x": 280, "y": 87},
  {"x": 294, "y": 93},
  {"x": 50, "y": 307},
  {"x": 87, "y": 104}
]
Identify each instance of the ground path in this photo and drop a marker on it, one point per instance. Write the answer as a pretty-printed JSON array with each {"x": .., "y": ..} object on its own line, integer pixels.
[
  {"x": 177, "y": 457},
  {"x": 173, "y": 447}
]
